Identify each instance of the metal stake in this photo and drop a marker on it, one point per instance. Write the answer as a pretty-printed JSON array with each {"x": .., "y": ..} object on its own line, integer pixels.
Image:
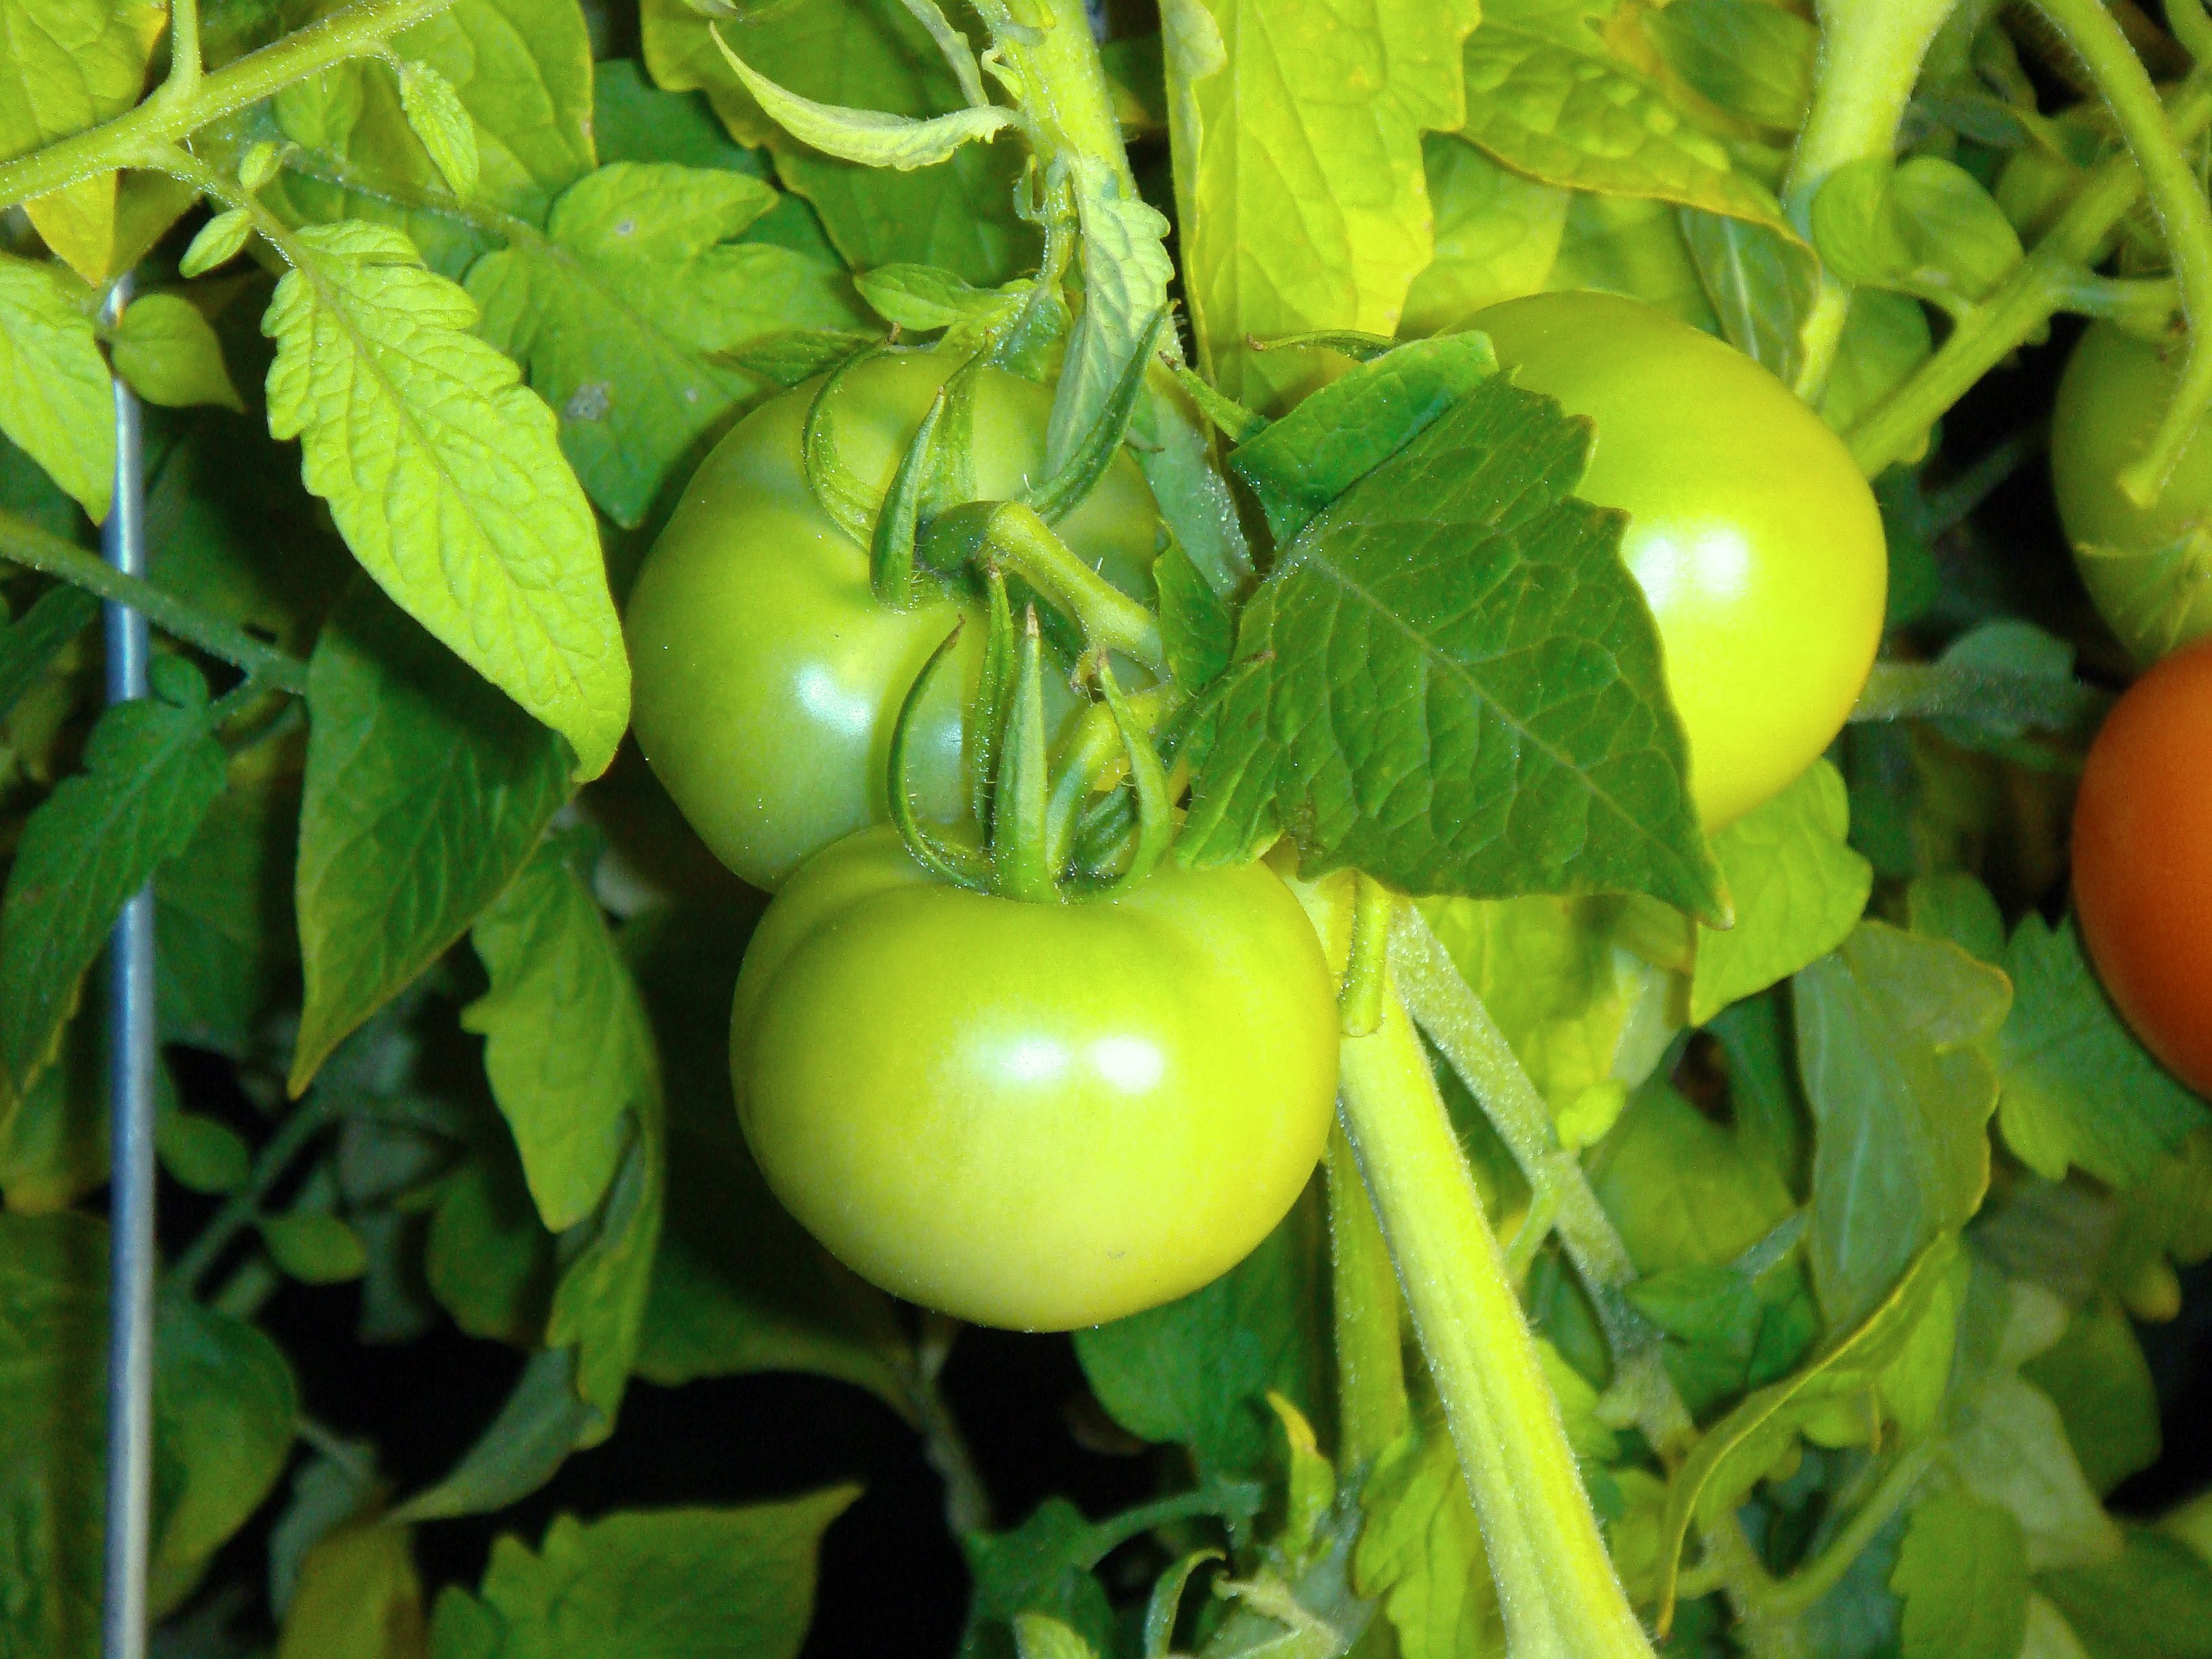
[{"x": 132, "y": 1060}]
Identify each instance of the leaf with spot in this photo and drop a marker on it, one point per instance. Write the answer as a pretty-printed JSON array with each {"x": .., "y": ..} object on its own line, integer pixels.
[
  {"x": 446, "y": 477},
  {"x": 1450, "y": 680},
  {"x": 625, "y": 312}
]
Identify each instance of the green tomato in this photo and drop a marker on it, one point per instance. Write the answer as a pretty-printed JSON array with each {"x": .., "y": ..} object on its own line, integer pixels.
[
  {"x": 767, "y": 678},
  {"x": 1038, "y": 1116},
  {"x": 1755, "y": 539},
  {"x": 2149, "y": 568}
]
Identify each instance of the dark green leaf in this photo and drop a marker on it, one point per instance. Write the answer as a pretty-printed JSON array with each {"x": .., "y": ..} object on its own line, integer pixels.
[
  {"x": 665, "y": 1584},
  {"x": 1197, "y": 1372},
  {"x": 2077, "y": 1088},
  {"x": 2097, "y": 1377},
  {"x": 1891, "y": 1036},
  {"x": 202, "y": 1153},
  {"x": 1043, "y": 1565},
  {"x": 1762, "y": 283},
  {"x": 1198, "y": 628},
  {"x": 1681, "y": 1188},
  {"x": 1451, "y": 651},
  {"x": 30, "y": 643},
  {"x": 151, "y": 772},
  {"x": 861, "y": 54},
  {"x": 1754, "y": 60},
  {"x": 542, "y": 1422},
  {"x": 2152, "y": 1601},
  {"x": 426, "y": 790},
  {"x": 1963, "y": 1575},
  {"x": 1300, "y": 464},
  {"x": 316, "y": 1249}
]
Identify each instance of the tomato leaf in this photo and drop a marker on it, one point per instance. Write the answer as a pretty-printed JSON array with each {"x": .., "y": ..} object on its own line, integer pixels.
[
  {"x": 1754, "y": 61},
  {"x": 520, "y": 72},
  {"x": 1198, "y": 1371},
  {"x": 1264, "y": 137},
  {"x": 1762, "y": 283},
  {"x": 1892, "y": 1039},
  {"x": 2077, "y": 1088},
  {"x": 65, "y": 65},
  {"x": 1450, "y": 681},
  {"x": 152, "y": 771},
  {"x": 2098, "y": 1377},
  {"x": 169, "y": 354},
  {"x": 358, "y": 1597},
  {"x": 870, "y": 138},
  {"x": 542, "y": 1421},
  {"x": 663, "y": 1584},
  {"x": 1298, "y": 465},
  {"x": 445, "y": 477},
  {"x": 624, "y": 315},
  {"x": 1420, "y": 1552},
  {"x": 425, "y": 791},
  {"x": 1798, "y": 890},
  {"x": 1682, "y": 1188},
  {"x": 865, "y": 54},
  {"x": 2153, "y": 1601},
  {"x": 1963, "y": 1575},
  {"x": 55, "y": 394},
  {"x": 1572, "y": 116},
  {"x": 1498, "y": 233}
]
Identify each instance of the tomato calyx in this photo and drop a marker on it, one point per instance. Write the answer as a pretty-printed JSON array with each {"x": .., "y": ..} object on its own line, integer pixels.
[{"x": 1032, "y": 813}]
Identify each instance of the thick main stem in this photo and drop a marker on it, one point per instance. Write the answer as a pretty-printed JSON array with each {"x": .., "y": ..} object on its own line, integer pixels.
[
  {"x": 1557, "y": 1589},
  {"x": 1870, "y": 55}
]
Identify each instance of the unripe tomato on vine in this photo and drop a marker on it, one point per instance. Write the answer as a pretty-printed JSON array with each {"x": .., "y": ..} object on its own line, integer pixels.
[{"x": 1755, "y": 538}]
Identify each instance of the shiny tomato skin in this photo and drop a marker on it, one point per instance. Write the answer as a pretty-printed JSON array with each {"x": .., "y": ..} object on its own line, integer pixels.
[
  {"x": 1036, "y": 1116},
  {"x": 1755, "y": 538},
  {"x": 2142, "y": 860},
  {"x": 765, "y": 676},
  {"x": 2110, "y": 399}
]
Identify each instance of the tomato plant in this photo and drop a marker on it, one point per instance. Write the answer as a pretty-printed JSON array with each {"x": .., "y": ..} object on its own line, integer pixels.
[
  {"x": 765, "y": 671},
  {"x": 1038, "y": 1115},
  {"x": 2144, "y": 563},
  {"x": 1364, "y": 720},
  {"x": 2142, "y": 861},
  {"x": 1751, "y": 531}
]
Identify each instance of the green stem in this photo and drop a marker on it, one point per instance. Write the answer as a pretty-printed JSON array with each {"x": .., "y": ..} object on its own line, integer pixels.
[
  {"x": 293, "y": 1136},
  {"x": 967, "y": 1499},
  {"x": 1918, "y": 690},
  {"x": 1455, "y": 1019},
  {"x": 1011, "y": 534},
  {"x": 2179, "y": 199},
  {"x": 1067, "y": 97},
  {"x": 2190, "y": 26},
  {"x": 1359, "y": 1006},
  {"x": 184, "y": 75},
  {"x": 2020, "y": 308},
  {"x": 1870, "y": 55},
  {"x": 1790, "y": 1597},
  {"x": 358, "y": 30},
  {"x": 1371, "y": 1356},
  {"x": 26, "y": 544},
  {"x": 1230, "y": 1501},
  {"x": 1556, "y": 1585}
]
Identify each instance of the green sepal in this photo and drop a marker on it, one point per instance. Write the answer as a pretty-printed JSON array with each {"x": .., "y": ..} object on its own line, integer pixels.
[
  {"x": 890, "y": 551},
  {"x": 1067, "y": 489},
  {"x": 1148, "y": 783},
  {"x": 850, "y": 504},
  {"x": 961, "y": 865},
  {"x": 950, "y": 477},
  {"x": 1233, "y": 421},
  {"x": 1021, "y": 858}
]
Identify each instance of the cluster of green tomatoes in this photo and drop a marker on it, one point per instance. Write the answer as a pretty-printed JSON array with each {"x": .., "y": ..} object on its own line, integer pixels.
[{"x": 991, "y": 1044}]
